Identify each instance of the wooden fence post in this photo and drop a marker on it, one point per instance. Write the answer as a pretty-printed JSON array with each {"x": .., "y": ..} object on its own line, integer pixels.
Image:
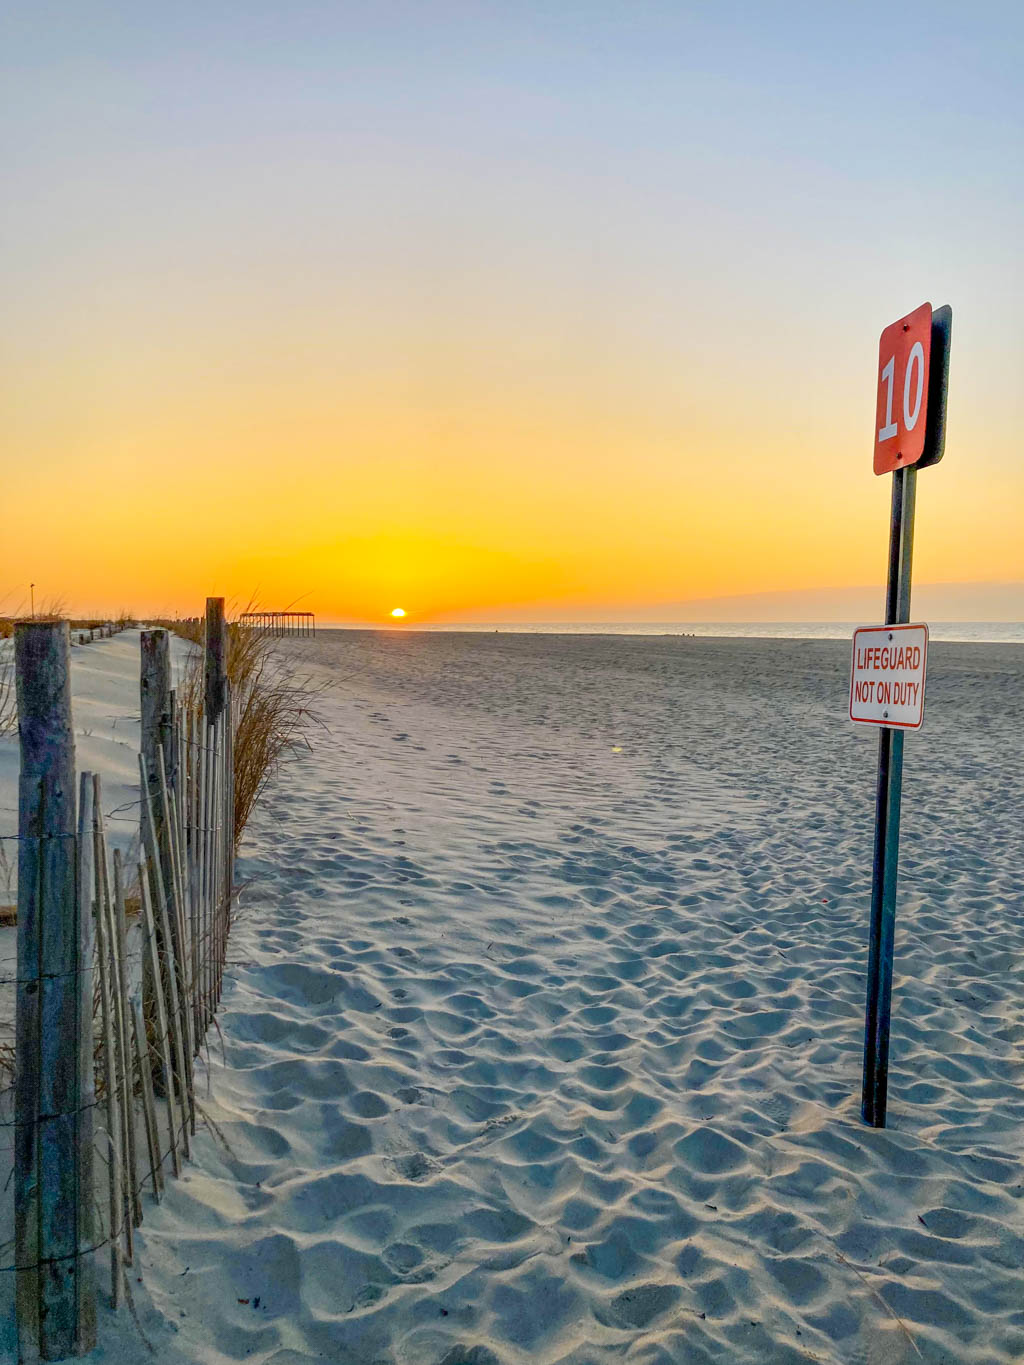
[
  {"x": 155, "y": 690},
  {"x": 157, "y": 731},
  {"x": 107, "y": 959},
  {"x": 216, "y": 657},
  {"x": 53, "y": 1134},
  {"x": 127, "y": 1064},
  {"x": 87, "y": 889},
  {"x": 216, "y": 700}
]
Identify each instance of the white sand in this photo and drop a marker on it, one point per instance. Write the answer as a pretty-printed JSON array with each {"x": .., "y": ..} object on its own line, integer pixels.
[{"x": 543, "y": 1029}]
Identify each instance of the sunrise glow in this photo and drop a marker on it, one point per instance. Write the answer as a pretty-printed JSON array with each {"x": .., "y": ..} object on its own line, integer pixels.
[{"x": 364, "y": 325}]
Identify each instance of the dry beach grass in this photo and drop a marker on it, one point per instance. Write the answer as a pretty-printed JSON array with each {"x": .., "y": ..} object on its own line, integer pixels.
[
  {"x": 51, "y": 612},
  {"x": 8, "y": 705},
  {"x": 273, "y": 706}
]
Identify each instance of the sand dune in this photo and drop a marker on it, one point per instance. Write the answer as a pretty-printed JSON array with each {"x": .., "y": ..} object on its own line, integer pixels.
[{"x": 541, "y": 1041}]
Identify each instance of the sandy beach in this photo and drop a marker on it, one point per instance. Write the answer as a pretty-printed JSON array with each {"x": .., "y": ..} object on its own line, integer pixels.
[
  {"x": 514, "y": 414},
  {"x": 541, "y": 1039}
]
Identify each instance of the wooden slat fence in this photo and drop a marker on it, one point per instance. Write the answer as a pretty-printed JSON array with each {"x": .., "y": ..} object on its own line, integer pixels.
[{"x": 119, "y": 974}]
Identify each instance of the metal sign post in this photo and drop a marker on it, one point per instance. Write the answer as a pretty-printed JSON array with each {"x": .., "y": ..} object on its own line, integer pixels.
[
  {"x": 910, "y": 433},
  {"x": 887, "y": 821}
]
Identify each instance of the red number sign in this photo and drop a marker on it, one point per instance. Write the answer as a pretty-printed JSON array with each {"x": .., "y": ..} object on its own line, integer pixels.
[{"x": 904, "y": 355}]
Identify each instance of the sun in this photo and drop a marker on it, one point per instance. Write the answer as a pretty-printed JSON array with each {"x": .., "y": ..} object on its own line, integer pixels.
[{"x": 398, "y": 612}]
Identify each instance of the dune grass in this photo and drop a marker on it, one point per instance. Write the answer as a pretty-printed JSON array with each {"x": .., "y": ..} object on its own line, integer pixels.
[
  {"x": 54, "y": 611},
  {"x": 272, "y": 707},
  {"x": 51, "y": 611},
  {"x": 8, "y": 704}
]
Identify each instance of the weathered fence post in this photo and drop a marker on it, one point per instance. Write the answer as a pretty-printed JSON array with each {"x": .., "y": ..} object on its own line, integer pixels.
[
  {"x": 216, "y": 657},
  {"x": 216, "y": 701},
  {"x": 53, "y": 1115},
  {"x": 155, "y": 690},
  {"x": 87, "y": 889},
  {"x": 155, "y": 696}
]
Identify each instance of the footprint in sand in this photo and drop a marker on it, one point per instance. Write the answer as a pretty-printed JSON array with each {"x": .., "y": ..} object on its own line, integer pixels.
[
  {"x": 414, "y": 1167},
  {"x": 470, "y": 1355},
  {"x": 369, "y": 1294}
]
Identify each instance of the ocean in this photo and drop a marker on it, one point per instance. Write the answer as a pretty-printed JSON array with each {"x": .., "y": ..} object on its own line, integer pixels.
[{"x": 967, "y": 632}]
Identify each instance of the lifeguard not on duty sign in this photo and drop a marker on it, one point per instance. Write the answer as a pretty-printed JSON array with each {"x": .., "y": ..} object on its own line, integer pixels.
[{"x": 887, "y": 677}]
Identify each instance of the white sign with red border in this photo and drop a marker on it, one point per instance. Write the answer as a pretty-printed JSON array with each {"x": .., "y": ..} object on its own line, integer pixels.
[{"x": 887, "y": 677}]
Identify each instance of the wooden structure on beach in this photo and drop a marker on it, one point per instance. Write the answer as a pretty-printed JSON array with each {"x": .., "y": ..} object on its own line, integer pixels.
[
  {"x": 111, "y": 1011},
  {"x": 280, "y": 622}
]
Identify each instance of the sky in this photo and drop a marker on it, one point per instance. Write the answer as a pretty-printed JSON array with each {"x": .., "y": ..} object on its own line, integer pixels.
[{"x": 531, "y": 311}]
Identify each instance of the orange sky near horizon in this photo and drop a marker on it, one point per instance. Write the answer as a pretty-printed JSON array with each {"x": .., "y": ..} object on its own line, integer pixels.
[
  {"x": 512, "y": 330},
  {"x": 529, "y": 506},
  {"x": 516, "y": 500}
]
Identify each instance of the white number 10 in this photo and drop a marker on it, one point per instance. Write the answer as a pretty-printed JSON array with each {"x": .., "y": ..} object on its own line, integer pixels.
[{"x": 909, "y": 418}]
